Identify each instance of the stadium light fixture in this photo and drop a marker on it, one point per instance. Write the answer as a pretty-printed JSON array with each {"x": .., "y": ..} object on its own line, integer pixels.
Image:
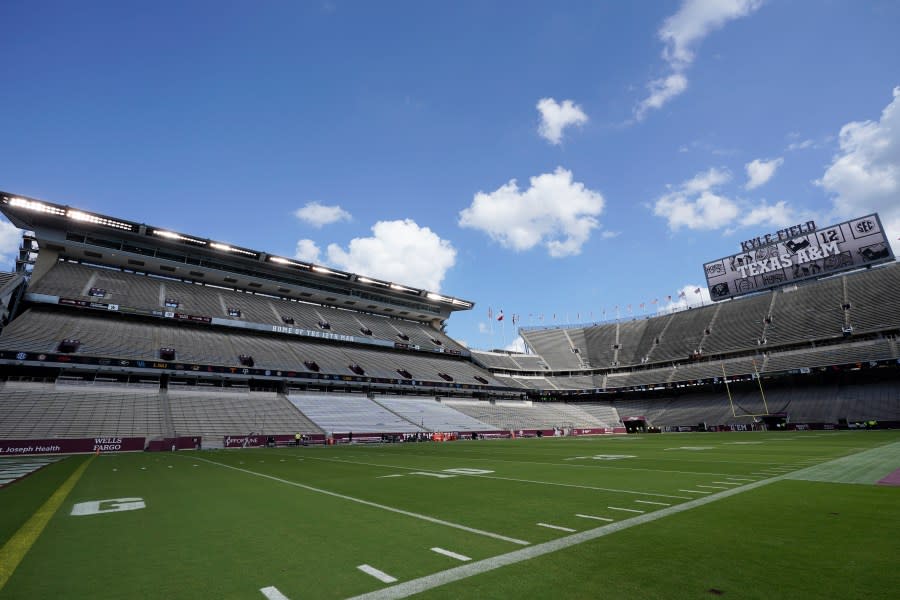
[
  {"x": 326, "y": 271},
  {"x": 177, "y": 236},
  {"x": 77, "y": 215},
  {"x": 232, "y": 249},
  {"x": 433, "y": 296},
  {"x": 401, "y": 288},
  {"x": 36, "y": 206},
  {"x": 383, "y": 284},
  {"x": 278, "y": 260}
]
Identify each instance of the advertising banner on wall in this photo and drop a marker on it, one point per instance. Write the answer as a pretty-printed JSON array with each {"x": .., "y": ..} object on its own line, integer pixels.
[{"x": 65, "y": 446}]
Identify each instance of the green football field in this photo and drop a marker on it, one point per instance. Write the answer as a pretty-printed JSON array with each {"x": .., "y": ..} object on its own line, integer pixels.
[{"x": 739, "y": 515}]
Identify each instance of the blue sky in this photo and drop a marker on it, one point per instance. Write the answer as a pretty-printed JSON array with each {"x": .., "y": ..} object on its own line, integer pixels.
[{"x": 537, "y": 158}]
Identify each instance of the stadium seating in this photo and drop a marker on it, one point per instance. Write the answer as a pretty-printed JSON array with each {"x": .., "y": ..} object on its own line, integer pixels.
[
  {"x": 797, "y": 314},
  {"x": 804, "y": 312},
  {"x": 512, "y": 416},
  {"x": 109, "y": 335},
  {"x": 36, "y": 410},
  {"x": 605, "y": 413},
  {"x": 509, "y": 361},
  {"x": 431, "y": 414},
  {"x": 72, "y": 280},
  {"x": 738, "y": 324},
  {"x": 873, "y": 300},
  {"x": 343, "y": 413},
  {"x": 850, "y": 319},
  {"x": 555, "y": 347},
  {"x": 216, "y": 413},
  {"x": 802, "y": 404}
]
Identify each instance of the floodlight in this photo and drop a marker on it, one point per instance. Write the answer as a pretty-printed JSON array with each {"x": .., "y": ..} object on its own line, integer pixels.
[{"x": 36, "y": 206}]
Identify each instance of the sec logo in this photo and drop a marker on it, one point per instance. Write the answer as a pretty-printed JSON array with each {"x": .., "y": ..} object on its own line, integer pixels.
[{"x": 865, "y": 226}]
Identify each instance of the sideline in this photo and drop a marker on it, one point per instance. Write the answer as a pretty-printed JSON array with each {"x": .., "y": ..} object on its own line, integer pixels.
[{"x": 21, "y": 542}]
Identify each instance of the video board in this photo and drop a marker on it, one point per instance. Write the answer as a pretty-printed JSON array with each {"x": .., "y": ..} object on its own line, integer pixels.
[{"x": 823, "y": 251}]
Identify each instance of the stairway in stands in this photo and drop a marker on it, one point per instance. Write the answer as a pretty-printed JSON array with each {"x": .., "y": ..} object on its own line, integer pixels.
[
  {"x": 709, "y": 326},
  {"x": 398, "y": 415},
  {"x": 166, "y": 409}
]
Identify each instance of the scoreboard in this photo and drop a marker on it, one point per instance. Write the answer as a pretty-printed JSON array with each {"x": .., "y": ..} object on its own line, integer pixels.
[{"x": 849, "y": 245}]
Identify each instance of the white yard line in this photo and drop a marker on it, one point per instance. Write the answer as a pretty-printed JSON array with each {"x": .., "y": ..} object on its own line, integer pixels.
[
  {"x": 696, "y": 491},
  {"x": 399, "y": 511},
  {"x": 571, "y": 485},
  {"x": 380, "y": 575},
  {"x": 727, "y": 483},
  {"x": 607, "y": 519},
  {"x": 651, "y": 502},
  {"x": 584, "y": 487},
  {"x": 549, "y": 526},
  {"x": 422, "y": 584},
  {"x": 711, "y": 487},
  {"x": 272, "y": 593},
  {"x": 594, "y": 464},
  {"x": 461, "y": 557},
  {"x": 631, "y": 510}
]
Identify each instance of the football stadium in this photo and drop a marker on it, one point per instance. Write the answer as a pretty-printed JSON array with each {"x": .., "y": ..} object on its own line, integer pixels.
[{"x": 181, "y": 417}]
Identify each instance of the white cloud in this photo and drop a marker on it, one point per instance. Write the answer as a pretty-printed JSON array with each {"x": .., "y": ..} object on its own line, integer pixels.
[
  {"x": 661, "y": 91},
  {"x": 681, "y": 34},
  {"x": 698, "y": 204},
  {"x": 865, "y": 174},
  {"x": 608, "y": 235},
  {"x": 696, "y": 19},
  {"x": 770, "y": 215},
  {"x": 517, "y": 345},
  {"x": 483, "y": 327},
  {"x": 760, "y": 171},
  {"x": 694, "y": 205},
  {"x": 10, "y": 239},
  {"x": 802, "y": 145},
  {"x": 686, "y": 297},
  {"x": 318, "y": 215},
  {"x": 554, "y": 211},
  {"x": 706, "y": 181},
  {"x": 307, "y": 251},
  {"x": 556, "y": 117},
  {"x": 398, "y": 251}
]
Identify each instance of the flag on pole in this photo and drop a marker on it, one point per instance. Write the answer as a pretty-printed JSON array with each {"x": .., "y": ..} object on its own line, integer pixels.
[
  {"x": 490, "y": 313},
  {"x": 681, "y": 294},
  {"x": 669, "y": 298},
  {"x": 696, "y": 290},
  {"x": 655, "y": 300},
  {"x": 500, "y": 315}
]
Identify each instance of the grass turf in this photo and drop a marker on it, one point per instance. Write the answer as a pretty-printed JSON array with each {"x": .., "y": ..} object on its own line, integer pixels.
[{"x": 213, "y": 531}]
